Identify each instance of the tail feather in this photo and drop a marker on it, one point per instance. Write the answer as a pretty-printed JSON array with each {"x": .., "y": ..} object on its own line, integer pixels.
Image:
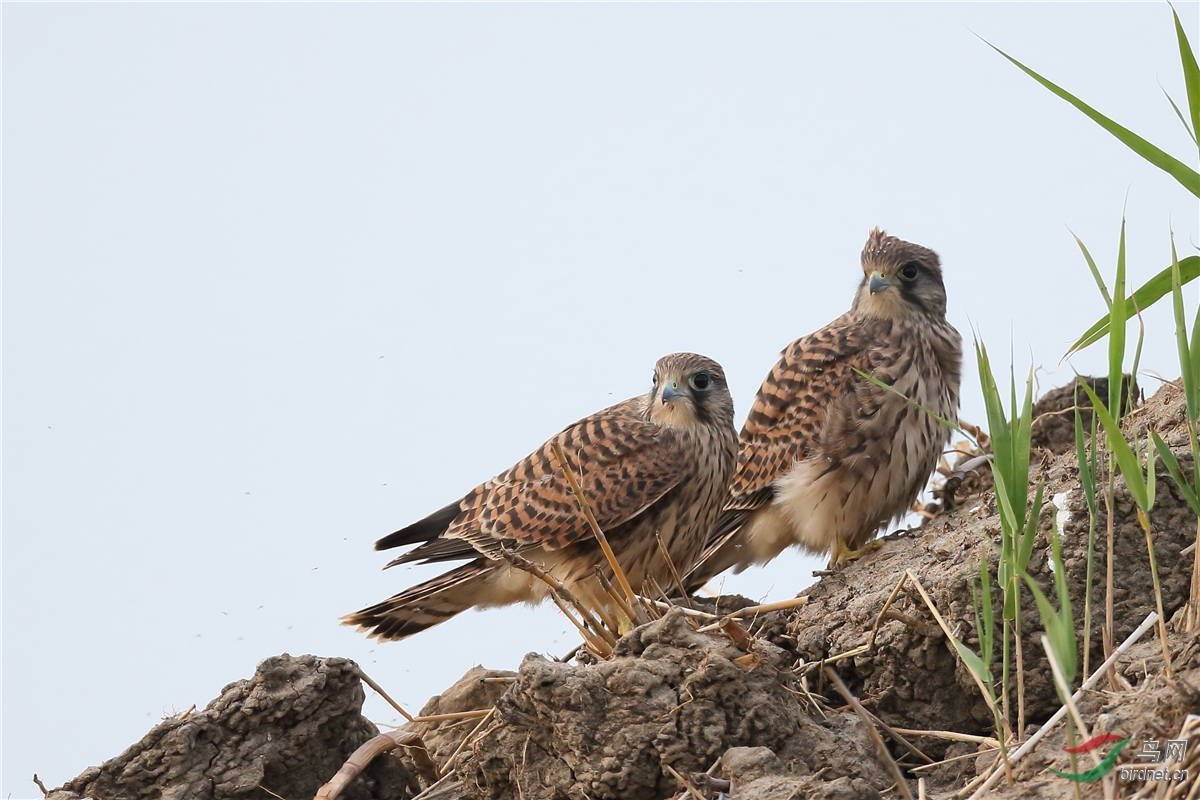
[
  {"x": 424, "y": 605},
  {"x": 423, "y": 530}
]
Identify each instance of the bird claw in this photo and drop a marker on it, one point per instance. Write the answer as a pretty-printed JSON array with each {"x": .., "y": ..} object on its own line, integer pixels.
[{"x": 843, "y": 555}]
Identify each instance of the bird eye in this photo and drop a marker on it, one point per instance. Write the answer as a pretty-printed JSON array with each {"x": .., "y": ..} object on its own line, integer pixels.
[
  {"x": 654, "y": 379},
  {"x": 700, "y": 381},
  {"x": 909, "y": 272}
]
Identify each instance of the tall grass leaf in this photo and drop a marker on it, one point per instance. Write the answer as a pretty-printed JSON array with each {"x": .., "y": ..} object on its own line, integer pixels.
[
  {"x": 1091, "y": 262},
  {"x": 1191, "y": 72},
  {"x": 1029, "y": 535},
  {"x": 1172, "y": 465},
  {"x": 1116, "y": 330},
  {"x": 1127, "y": 460},
  {"x": 1087, "y": 476},
  {"x": 1181, "y": 333},
  {"x": 974, "y": 663},
  {"x": 1187, "y": 127},
  {"x": 988, "y": 633},
  {"x": 1147, "y": 295},
  {"x": 1181, "y": 172}
]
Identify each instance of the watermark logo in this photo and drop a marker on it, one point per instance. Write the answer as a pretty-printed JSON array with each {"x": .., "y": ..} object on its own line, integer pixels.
[
  {"x": 1100, "y": 770},
  {"x": 1174, "y": 751}
]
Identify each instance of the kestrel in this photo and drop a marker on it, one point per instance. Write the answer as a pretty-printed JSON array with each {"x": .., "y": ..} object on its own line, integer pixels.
[
  {"x": 655, "y": 466},
  {"x": 827, "y": 457}
]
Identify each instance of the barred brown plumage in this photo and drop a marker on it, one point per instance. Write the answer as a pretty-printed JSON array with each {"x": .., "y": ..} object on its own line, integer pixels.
[
  {"x": 658, "y": 464},
  {"x": 826, "y": 457}
]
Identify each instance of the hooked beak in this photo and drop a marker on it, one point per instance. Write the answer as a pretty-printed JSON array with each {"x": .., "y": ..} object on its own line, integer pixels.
[
  {"x": 669, "y": 392},
  {"x": 878, "y": 282}
]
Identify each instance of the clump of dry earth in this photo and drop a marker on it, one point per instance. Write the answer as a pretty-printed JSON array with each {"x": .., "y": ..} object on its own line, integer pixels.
[{"x": 750, "y": 720}]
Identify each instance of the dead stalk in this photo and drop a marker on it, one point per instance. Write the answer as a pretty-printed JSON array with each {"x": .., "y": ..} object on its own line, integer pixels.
[
  {"x": 1064, "y": 691},
  {"x": 950, "y": 643},
  {"x": 483, "y": 721},
  {"x": 1162, "y": 623},
  {"x": 367, "y": 680},
  {"x": 662, "y": 548},
  {"x": 685, "y": 781},
  {"x": 560, "y": 594},
  {"x": 891, "y": 599},
  {"x": 595, "y": 526},
  {"x": 880, "y": 747},
  {"x": 1019, "y": 651},
  {"x": 1193, "y": 618},
  {"x": 367, "y": 753}
]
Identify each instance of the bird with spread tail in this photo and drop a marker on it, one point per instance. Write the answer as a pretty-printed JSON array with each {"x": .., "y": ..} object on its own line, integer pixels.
[
  {"x": 653, "y": 467},
  {"x": 826, "y": 456}
]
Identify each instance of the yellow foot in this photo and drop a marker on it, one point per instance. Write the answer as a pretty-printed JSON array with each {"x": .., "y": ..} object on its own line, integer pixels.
[{"x": 843, "y": 555}]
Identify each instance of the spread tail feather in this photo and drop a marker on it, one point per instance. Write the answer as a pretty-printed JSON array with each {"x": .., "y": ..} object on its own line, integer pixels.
[{"x": 424, "y": 605}]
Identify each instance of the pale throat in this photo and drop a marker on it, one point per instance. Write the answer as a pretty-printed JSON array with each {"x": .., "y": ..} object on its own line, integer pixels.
[
  {"x": 886, "y": 304},
  {"x": 676, "y": 414}
]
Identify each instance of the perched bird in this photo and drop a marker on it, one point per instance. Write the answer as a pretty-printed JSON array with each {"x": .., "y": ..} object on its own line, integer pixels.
[
  {"x": 826, "y": 456},
  {"x": 655, "y": 466}
]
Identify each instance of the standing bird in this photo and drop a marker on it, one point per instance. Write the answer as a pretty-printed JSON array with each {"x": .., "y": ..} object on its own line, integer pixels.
[
  {"x": 826, "y": 456},
  {"x": 657, "y": 465}
]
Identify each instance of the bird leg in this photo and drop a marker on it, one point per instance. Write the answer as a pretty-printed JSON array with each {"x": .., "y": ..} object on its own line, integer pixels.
[{"x": 843, "y": 555}]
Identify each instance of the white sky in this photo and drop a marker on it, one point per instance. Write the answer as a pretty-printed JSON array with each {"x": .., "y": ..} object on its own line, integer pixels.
[{"x": 282, "y": 278}]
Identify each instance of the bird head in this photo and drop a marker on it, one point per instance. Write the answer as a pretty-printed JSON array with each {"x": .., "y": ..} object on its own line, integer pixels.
[
  {"x": 900, "y": 279},
  {"x": 689, "y": 389}
]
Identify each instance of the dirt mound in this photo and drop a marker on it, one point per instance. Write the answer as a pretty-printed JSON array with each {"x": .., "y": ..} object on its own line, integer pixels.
[
  {"x": 752, "y": 718},
  {"x": 282, "y": 733}
]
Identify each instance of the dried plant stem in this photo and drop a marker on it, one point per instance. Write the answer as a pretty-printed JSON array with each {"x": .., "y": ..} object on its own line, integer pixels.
[
  {"x": 1193, "y": 617},
  {"x": 888, "y": 604},
  {"x": 595, "y": 526},
  {"x": 662, "y": 548},
  {"x": 1108, "y": 576},
  {"x": 1162, "y": 623},
  {"x": 1020, "y": 671},
  {"x": 1064, "y": 691},
  {"x": 624, "y": 611},
  {"x": 691, "y": 787},
  {"x": 367, "y": 680},
  {"x": 953, "y": 736},
  {"x": 950, "y": 643},
  {"x": 456, "y": 715},
  {"x": 483, "y": 721},
  {"x": 880, "y": 747},
  {"x": 367, "y": 753},
  {"x": 764, "y": 608},
  {"x": 601, "y": 639},
  {"x": 1093, "y": 679}
]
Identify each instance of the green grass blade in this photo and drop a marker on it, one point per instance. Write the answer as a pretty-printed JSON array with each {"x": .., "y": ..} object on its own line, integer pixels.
[
  {"x": 974, "y": 663},
  {"x": 1181, "y": 333},
  {"x": 1179, "y": 114},
  {"x": 1181, "y": 172},
  {"x": 1029, "y": 535},
  {"x": 1087, "y": 476},
  {"x": 1147, "y": 295},
  {"x": 1118, "y": 313},
  {"x": 1172, "y": 465},
  {"x": 1096, "y": 276},
  {"x": 1127, "y": 460},
  {"x": 1191, "y": 72}
]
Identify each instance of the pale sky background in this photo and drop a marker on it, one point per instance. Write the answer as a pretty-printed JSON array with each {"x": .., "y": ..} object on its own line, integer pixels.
[{"x": 282, "y": 278}]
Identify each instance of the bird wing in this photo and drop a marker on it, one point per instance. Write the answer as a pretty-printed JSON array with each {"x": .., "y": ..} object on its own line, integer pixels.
[
  {"x": 624, "y": 464},
  {"x": 814, "y": 381}
]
